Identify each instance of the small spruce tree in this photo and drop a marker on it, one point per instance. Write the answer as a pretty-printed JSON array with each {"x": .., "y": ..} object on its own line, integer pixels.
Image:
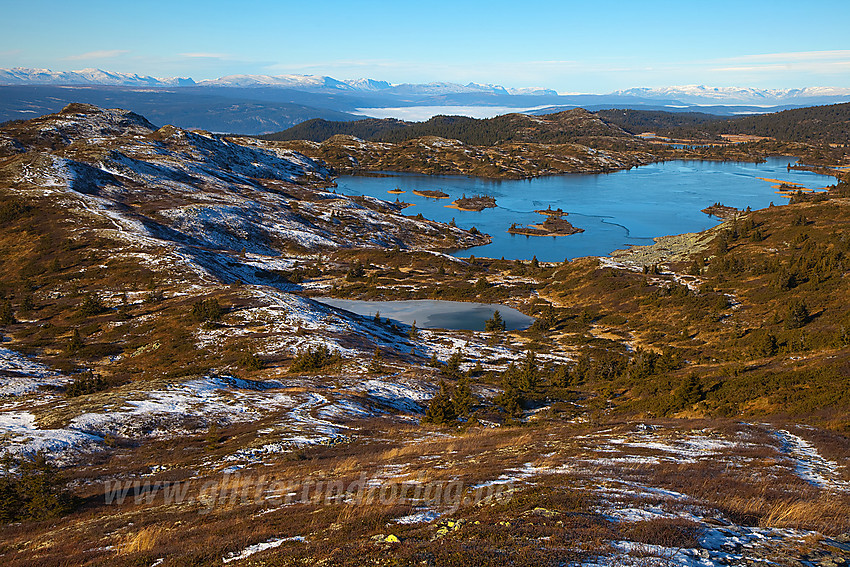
[
  {"x": 7, "y": 315},
  {"x": 452, "y": 367},
  {"x": 462, "y": 397},
  {"x": 441, "y": 410},
  {"x": 75, "y": 343},
  {"x": 376, "y": 365},
  {"x": 495, "y": 323}
]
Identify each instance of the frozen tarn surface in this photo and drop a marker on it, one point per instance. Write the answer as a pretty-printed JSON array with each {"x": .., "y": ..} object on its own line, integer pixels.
[
  {"x": 258, "y": 547},
  {"x": 20, "y": 374},
  {"x": 809, "y": 464},
  {"x": 21, "y": 435}
]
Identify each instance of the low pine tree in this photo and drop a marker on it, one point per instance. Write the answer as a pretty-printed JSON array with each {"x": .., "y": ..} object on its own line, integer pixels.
[
  {"x": 462, "y": 397},
  {"x": 441, "y": 410},
  {"x": 7, "y": 315},
  {"x": 75, "y": 343},
  {"x": 452, "y": 367},
  {"x": 495, "y": 323},
  {"x": 376, "y": 365},
  {"x": 529, "y": 374},
  {"x": 511, "y": 399}
]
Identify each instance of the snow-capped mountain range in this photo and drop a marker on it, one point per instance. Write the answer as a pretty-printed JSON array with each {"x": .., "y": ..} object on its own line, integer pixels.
[
  {"x": 258, "y": 104},
  {"x": 686, "y": 94},
  {"x": 24, "y": 76},
  {"x": 702, "y": 94}
]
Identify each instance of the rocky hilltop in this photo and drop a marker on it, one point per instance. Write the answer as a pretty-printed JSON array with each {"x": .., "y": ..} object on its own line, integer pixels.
[
  {"x": 513, "y": 146},
  {"x": 197, "y": 189}
]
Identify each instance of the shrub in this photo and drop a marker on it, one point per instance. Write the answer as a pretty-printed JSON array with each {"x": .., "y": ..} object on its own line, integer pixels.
[
  {"x": 452, "y": 366},
  {"x": 311, "y": 359},
  {"x": 766, "y": 345},
  {"x": 462, "y": 397},
  {"x": 251, "y": 361},
  {"x": 207, "y": 311},
  {"x": 690, "y": 391},
  {"x": 75, "y": 343},
  {"x": 86, "y": 383},
  {"x": 376, "y": 365},
  {"x": 33, "y": 491},
  {"x": 356, "y": 271},
  {"x": 154, "y": 296},
  {"x": 511, "y": 399},
  {"x": 91, "y": 305},
  {"x": 798, "y": 315},
  {"x": 7, "y": 315}
]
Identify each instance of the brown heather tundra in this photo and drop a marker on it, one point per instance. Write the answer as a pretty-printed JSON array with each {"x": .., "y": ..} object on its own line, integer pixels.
[
  {"x": 341, "y": 534},
  {"x": 735, "y": 385}
]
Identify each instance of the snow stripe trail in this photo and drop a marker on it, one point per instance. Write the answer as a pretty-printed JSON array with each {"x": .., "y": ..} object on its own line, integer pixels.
[
  {"x": 258, "y": 547},
  {"x": 809, "y": 464}
]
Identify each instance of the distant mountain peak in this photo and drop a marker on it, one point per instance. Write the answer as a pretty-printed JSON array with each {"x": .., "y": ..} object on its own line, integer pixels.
[
  {"x": 89, "y": 76},
  {"x": 704, "y": 94}
]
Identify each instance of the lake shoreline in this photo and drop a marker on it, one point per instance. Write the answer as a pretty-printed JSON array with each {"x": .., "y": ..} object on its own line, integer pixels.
[{"x": 615, "y": 210}]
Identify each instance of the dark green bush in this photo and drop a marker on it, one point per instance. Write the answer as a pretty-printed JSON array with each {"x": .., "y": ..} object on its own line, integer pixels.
[
  {"x": 314, "y": 358},
  {"x": 91, "y": 305},
  {"x": 86, "y": 383},
  {"x": 32, "y": 489},
  {"x": 7, "y": 314},
  {"x": 207, "y": 311},
  {"x": 441, "y": 410}
]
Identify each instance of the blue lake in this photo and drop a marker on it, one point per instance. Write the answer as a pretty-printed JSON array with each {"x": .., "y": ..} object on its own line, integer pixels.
[{"x": 616, "y": 210}]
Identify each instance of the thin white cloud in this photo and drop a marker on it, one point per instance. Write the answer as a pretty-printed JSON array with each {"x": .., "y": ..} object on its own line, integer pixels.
[
  {"x": 792, "y": 56},
  {"x": 825, "y": 62},
  {"x": 103, "y": 54},
  {"x": 825, "y": 67},
  {"x": 204, "y": 55}
]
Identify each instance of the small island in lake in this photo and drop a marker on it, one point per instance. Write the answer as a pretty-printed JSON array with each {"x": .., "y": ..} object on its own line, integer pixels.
[
  {"x": 396, "y": 191},
  {"x": 723, "y": 212},
  {"x": 554, "y": 225},
  {"x": 433, "y": 194},
  {"x": 559, "y": 212},
  {"x": 477, "y": 203}
]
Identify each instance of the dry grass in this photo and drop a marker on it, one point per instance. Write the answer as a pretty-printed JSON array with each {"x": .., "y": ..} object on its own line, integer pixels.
[
  {"x": 141, "y": 541},
  {"x": 828, "y": 514}
]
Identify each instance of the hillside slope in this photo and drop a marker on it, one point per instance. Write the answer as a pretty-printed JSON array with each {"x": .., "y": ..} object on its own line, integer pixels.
[
  {"x": 570, "y": 126},
  {"x": 173, "y": 392},
  {"x": 195, "y": 189},
  {"x": 816, "y": 124}
]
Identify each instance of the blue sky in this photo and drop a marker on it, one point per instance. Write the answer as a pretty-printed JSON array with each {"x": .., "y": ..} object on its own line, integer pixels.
[{"x": 568, "y": 46}]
